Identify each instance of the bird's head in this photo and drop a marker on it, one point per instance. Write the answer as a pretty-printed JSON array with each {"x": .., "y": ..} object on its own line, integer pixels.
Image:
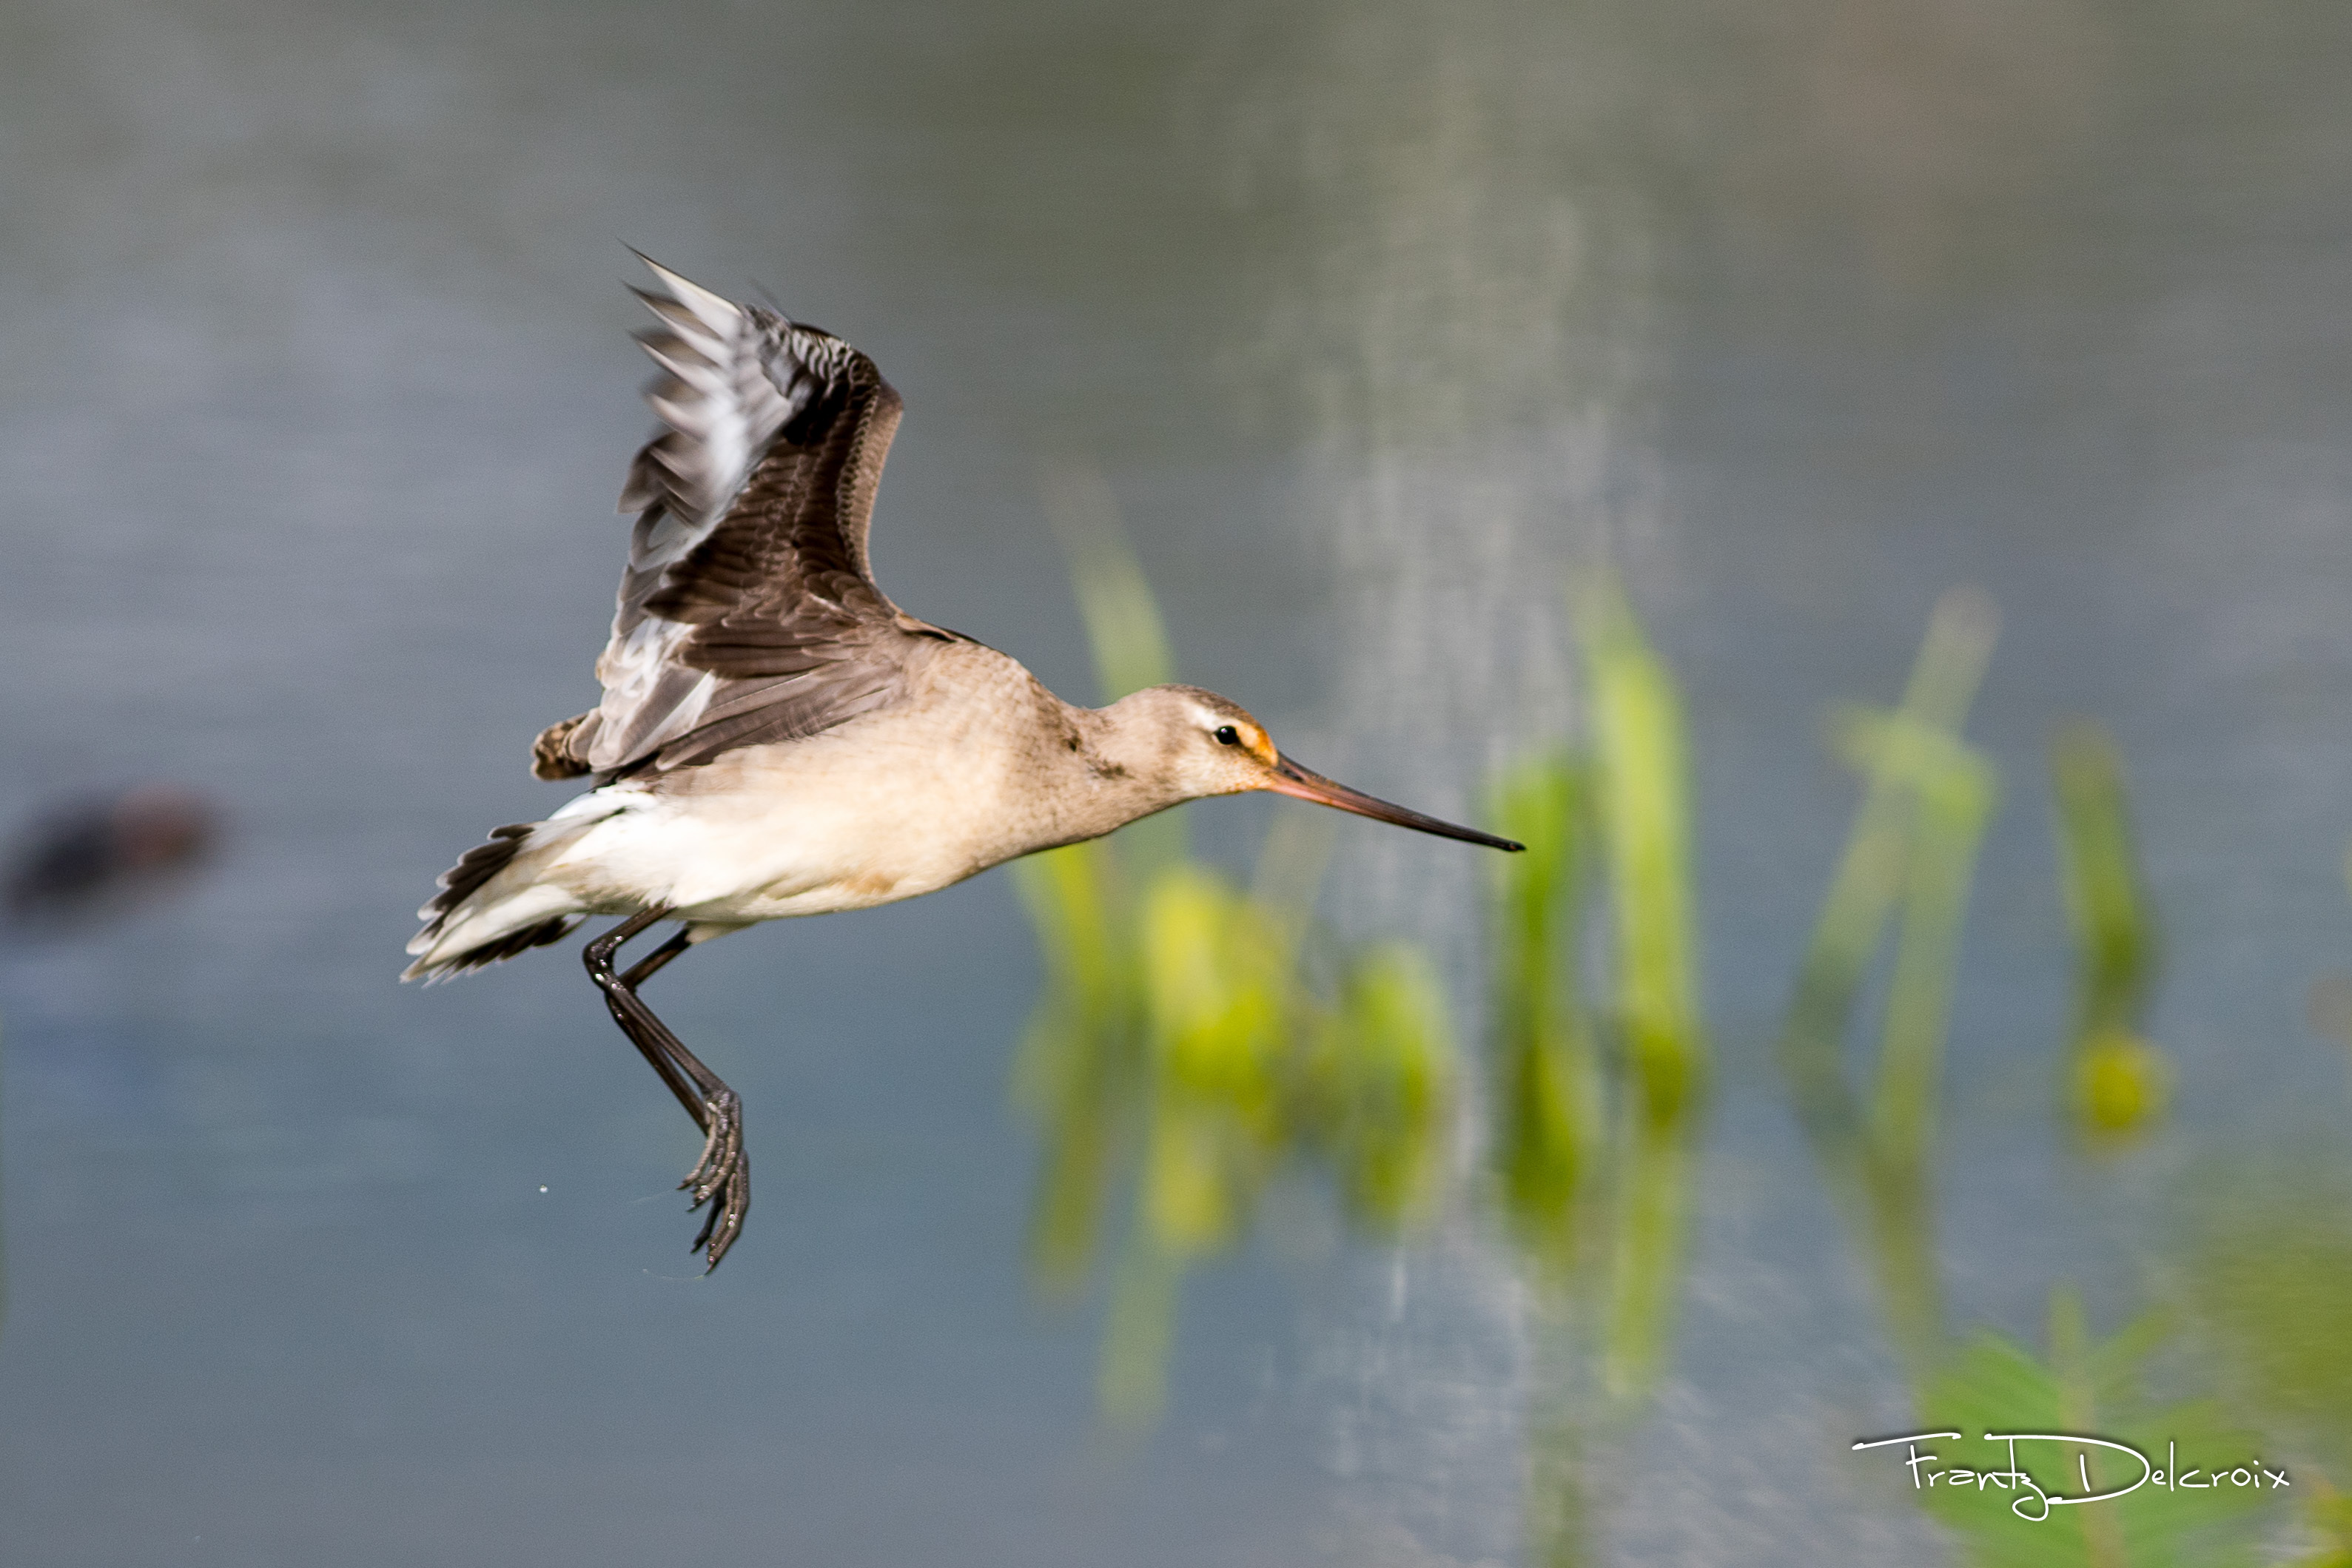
[{"x": 1202, "y": 745}]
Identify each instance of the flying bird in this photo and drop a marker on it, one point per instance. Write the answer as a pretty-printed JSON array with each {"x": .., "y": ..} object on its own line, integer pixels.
[{"x": 777, "y": 738}]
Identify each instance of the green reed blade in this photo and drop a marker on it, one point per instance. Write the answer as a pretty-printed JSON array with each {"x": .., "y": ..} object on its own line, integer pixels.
[
  {"x": 1852, "y": 920},
  {"x": 2106, "y": 903},
  {"x": 1122, "y": 616},
  {"x": 1176, "y": 1047},
  {"x": 1642, "y": 769},
  {"x": 1081, "y": 1058},
  {"x": 1537, "y": 894},
  {"x": 1223, "y": 1010},
  {"x": 1956, "y": 794},
  {"x": 2118, "y": 1081},
  {"x": 1651, "y": 1229},
  {"x": 1138, "y": 1334},
  {"x": 1912, "y": 849},
  {"x": 1548, "y": 1093},
  {"x": 1381, "y": 1089}
]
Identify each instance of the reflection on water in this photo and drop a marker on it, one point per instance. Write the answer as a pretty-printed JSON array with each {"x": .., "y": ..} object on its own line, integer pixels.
[
  {"x": 1550, "y": 1099},
  {"x": 2118, "y": 1081},
  {"x": 102, "y": 855},
  {"x": 1915, "y": 845},
  {"x": 1912, "y": 850},
  {"x": 1598, "y": 1090},
  {"x": 1181, "y": 1051}
]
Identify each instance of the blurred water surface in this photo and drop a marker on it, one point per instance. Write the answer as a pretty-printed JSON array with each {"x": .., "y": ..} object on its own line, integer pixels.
[{"x": 314, "y": 398}]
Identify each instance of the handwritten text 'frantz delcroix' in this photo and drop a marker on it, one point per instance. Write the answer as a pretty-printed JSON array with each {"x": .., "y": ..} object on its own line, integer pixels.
[{"x": 2033, "y": 1500}]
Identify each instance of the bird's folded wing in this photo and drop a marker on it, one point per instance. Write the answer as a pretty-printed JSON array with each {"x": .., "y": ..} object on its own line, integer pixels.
[{"x": 748, "y": 612}]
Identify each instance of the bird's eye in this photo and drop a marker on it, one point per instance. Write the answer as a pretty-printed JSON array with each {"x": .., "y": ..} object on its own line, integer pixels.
[{"x": 1226, "y": 734}]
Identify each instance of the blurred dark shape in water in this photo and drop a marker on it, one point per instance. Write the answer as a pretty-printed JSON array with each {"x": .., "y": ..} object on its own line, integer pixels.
[
  {"x": 95, "y": 856},
  {"x": 2119, "y": 1083}
]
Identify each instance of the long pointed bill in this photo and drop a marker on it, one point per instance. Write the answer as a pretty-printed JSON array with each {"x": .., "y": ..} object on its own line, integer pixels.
[{"x": 1289, "y": 779}]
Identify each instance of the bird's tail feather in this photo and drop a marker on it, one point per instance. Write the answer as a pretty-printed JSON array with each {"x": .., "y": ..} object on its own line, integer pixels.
[{"x": 470, "y": 922}]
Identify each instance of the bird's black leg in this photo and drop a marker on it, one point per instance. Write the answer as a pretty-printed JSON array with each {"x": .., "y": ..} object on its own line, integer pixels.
[
  {"x": 722, "y": 1178},
  {"x": 598, "y": 955},
  {"x": 647, "y": 967}
]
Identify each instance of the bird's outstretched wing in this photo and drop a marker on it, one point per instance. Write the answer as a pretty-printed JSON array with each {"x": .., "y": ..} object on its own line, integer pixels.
[{"x": 748, "y": 613}]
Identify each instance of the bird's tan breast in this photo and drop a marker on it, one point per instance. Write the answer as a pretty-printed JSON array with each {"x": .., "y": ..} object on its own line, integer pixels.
[{"x": 980, "y": 765}]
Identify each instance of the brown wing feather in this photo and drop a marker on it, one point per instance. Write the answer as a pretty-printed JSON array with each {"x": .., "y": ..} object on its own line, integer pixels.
[
  {"x": 785, "y": 569},
  {"x": 749, "y": 613}
]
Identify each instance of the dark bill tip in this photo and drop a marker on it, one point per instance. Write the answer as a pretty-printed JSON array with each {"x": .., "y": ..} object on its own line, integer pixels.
[{"x": 1306, "y": 784}]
